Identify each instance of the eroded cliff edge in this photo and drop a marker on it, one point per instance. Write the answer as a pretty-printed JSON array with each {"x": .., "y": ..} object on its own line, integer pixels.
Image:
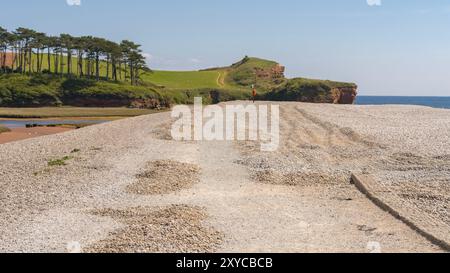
[
  {"x": 270, "y": 80},
  {"x": 315, "y": 91}
]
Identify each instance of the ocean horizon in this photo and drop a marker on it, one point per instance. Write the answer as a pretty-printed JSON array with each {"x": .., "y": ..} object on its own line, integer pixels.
[{"x": 435, "y": 102}]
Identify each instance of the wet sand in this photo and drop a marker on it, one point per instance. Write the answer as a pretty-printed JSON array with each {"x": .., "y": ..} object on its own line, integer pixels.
[{"x": 17, "y": 134}]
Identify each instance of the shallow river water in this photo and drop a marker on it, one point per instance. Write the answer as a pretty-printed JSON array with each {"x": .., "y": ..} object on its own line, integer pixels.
[{"x": 21, "y": 123}]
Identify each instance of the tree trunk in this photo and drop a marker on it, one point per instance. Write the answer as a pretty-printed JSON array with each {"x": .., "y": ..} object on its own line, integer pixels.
[
  {"x": 97, "y": 68},
  {"x": 88, "y": 67},
  {"x": 79, "y": 67},
  {"x": 125, "y": 70},
  {"x": 3, "y": 66},
  {"x": 80, "y": 64},
  {"x": 38, "y": 56},
  {"x": 49, "y": 60},
  {"x": 120, "y": 70},
  {"x": 56, "y": 62},
  {"x": 114, "y": 70},
  {"x": 14, "y": 59},
  {"x": 42, "y": 61},
  {"x": 131, "y": 73},
  {"x": 30, "y": 61},
  {"x": 23, "y": 61},
  {"x": 61, "y": 62},
  {"x": 107, "y": 69},
  {"x": 19, "y": 66},
  {"x": 69, "y": 62}
]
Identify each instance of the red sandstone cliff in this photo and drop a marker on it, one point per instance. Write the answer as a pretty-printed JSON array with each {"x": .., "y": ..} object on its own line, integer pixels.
[
  {"x": 344, "y": 95},
  {"x": 6, "y": 60}
]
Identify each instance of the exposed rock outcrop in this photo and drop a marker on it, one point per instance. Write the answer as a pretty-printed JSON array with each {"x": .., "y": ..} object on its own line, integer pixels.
[
  {"x": 148, "y": 103},
  {"x": 274, "y": 73},
  {"x": 6, "y": 60},
  {"x": 316, "y": 91},
  {"x": 344, "y": 95}
]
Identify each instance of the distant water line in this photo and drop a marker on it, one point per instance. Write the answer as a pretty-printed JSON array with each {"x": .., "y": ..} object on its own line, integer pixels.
[
  {"x": 435, "y": 102},
  {"x": 14, "y": 123}
]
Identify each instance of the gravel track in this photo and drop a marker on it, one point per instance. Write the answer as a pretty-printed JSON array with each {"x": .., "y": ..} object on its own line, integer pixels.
[{"x": 297, "y": 199}]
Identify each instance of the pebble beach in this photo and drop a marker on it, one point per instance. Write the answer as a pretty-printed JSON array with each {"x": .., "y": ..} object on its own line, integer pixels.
[{"x": 88, "y": 185}]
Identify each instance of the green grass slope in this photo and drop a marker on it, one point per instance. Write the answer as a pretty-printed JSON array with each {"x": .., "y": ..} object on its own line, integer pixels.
[
  {"x": 183, "y": 79},
  {"x": 48, "y": 90},
  {"x": 241, "y": 75}
]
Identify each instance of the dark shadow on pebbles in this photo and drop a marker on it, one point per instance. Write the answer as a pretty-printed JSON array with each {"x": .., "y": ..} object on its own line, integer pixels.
[
  {"x": 174, "y": 229},
  {"x": 301, "y": 179},
  {"x": 162, "y": 132},
  {"x": 164, "y": 177}
]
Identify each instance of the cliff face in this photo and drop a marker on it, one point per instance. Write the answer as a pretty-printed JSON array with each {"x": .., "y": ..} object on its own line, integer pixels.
[
  {"x": 148, "y": 103},
  {"x": 316, "y": 91},
  {"x": 344, "y": 95},
  {"x": 6, "y": 60},
  {"x": 274, "y": 74}
]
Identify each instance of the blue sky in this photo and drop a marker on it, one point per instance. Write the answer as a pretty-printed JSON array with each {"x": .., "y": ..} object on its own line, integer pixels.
[{"x": 392, "y": 47}]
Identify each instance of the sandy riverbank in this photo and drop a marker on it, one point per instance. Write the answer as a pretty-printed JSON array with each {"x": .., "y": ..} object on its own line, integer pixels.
[
  {"x": 17, "y": 134},
  {"x": 298, "y": 199}
]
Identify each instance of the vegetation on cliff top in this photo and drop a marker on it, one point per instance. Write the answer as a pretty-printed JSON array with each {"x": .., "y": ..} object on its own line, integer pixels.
[
  {"x": 48, "y": 90},
  {"x": 255, "y": 71}
]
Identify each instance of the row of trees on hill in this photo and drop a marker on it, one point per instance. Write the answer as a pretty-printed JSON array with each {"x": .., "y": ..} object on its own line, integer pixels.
[{"x": 27, "y": 51}]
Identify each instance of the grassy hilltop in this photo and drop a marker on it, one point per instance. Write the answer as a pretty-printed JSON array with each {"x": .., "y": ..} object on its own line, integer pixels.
[{"x": 241, "y": 75}]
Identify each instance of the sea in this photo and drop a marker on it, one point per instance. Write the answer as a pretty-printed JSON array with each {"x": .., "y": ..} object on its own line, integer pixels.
[{"x": 435, "y": 102}]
